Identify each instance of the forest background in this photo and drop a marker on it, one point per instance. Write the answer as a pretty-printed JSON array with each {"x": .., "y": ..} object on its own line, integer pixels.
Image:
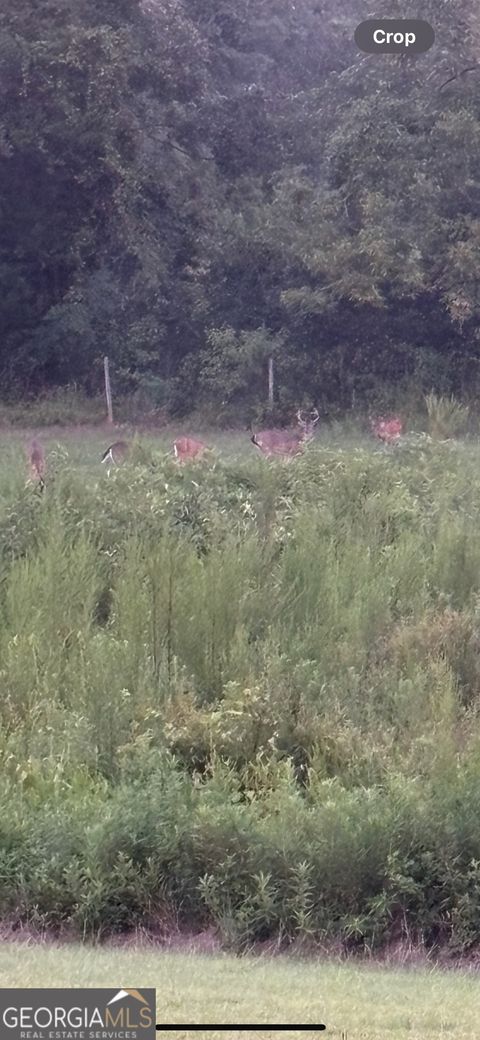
[{"x": 194, "y": 187}]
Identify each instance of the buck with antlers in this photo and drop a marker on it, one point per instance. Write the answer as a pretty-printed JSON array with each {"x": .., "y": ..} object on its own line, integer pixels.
[
  {"x": 186, "y": 448},
  {"x": 285, "y": 443},
  {"x": 36, "y": 462}
]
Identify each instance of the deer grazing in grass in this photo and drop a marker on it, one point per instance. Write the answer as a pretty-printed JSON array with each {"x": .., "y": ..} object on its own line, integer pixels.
[
  {"x": 285, "y": 443},
  {"x": 36, "y": 464},
  {"x": 116, "y": 454},
  {"x": 387, "y": 430},
  {"x": 186, "y": 448}
]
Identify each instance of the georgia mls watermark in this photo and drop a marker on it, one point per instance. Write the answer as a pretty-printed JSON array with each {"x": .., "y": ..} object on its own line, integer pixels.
[{"x": 77, "y": 1014}]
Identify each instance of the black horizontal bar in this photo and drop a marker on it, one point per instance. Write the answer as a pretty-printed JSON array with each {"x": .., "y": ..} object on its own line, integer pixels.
[{"x": 239, "y": 1027}]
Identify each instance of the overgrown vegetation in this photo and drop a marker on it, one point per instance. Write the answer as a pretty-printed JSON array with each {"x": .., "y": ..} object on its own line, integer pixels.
[{"x": 244, "y": 693}]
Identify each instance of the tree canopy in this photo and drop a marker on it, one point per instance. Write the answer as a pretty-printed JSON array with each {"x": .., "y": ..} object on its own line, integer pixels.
[{"x": 193, "y": 185}]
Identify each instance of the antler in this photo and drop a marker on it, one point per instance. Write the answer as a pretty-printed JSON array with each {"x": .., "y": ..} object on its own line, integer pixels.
[{"x": 313, "y": 418}]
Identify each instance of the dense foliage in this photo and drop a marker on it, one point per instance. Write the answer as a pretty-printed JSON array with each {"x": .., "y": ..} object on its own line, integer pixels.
[
  {"x": 194, "y": 185},
  {"x": 244, "y": 695}
]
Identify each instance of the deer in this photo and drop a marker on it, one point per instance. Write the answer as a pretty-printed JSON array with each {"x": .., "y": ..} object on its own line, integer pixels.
[
  {"x": 185, "y": 448},
  {"x": 284, "y": 443},
  {"x": 116, "y": 454},
  {"x": 387, "y": 430},
  {"x": 37, "y": 466}
]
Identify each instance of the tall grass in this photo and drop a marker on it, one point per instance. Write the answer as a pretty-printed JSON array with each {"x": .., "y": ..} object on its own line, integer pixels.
[
  {"x": 245, "y": 694},
  {"x": 446, "y": 416}
]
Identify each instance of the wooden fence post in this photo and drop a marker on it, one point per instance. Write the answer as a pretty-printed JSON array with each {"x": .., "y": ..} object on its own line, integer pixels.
[
  {"x": 270, "y": 382},
  {"x": 108, "y": 390}
]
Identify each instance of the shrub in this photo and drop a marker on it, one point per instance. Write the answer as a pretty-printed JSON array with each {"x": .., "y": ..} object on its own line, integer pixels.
[
  {"x": 244, "y": 694},
  {"x": 447, "y": 417}
]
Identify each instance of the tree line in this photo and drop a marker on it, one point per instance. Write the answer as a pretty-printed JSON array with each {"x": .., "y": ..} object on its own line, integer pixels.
[{"x": 196, "y": 186}]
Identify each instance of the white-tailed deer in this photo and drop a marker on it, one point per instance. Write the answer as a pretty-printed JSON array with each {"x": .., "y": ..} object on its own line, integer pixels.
[
  {"x": 387, "y": 430},
  {"x": 286, "y": 443},
  {"x": 37, "y": 466},
  {"x": 185, "y": 448},
  {"x": 116, "y": 454}
]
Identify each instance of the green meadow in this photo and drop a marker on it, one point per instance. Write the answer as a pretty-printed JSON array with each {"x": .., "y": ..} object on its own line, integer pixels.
[
  {"x": 242, "y": 694},
  {"x": 354, "y": 1002}
]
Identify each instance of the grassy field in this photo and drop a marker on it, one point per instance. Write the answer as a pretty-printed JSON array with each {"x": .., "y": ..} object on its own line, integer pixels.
[
  {"x": 81, "y": 447},
  {"x": 354, "y": 1002},
  {"x": 84, "y": 444},
  {"x": 242, "y": 694}
]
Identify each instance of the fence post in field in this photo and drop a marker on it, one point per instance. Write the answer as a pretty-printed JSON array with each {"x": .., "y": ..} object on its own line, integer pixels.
[
  {"x": 270, "y": 382},
  {"x": 108, "y": 389}
]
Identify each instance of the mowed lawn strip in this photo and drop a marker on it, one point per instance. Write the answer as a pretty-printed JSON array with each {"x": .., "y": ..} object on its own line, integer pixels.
[{"x": 360, "y": 1002}]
